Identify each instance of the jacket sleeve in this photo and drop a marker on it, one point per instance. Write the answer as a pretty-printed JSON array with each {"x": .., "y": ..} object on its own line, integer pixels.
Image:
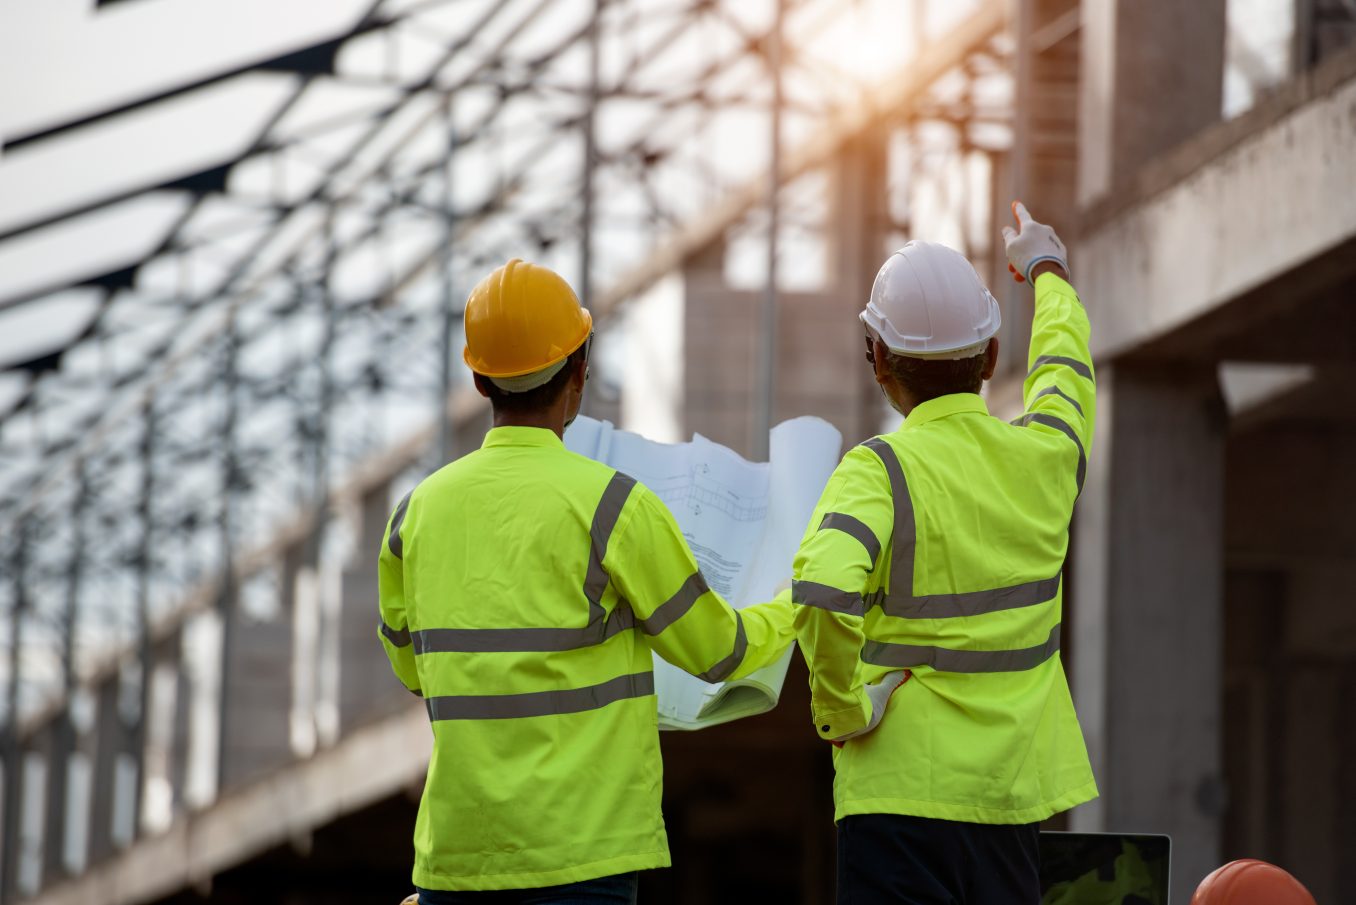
[
  {"x": 393, "y": 626},
  {"x": 850, "y": 527},
  {"x": 688, "y": 624},
  {"x": 1060, "y": 390}
]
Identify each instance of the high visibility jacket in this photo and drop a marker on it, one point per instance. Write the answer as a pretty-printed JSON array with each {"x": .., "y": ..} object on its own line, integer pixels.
[
  {"x": 938, "y": 548},
  {"x": 522, "y": 590}
]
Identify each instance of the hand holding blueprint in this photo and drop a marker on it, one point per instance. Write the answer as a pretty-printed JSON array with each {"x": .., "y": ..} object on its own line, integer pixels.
[{"x": 743, "y": 521}]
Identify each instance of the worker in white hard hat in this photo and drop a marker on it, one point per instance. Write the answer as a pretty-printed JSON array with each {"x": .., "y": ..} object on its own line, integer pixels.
[{"x": 928, "y": 588}]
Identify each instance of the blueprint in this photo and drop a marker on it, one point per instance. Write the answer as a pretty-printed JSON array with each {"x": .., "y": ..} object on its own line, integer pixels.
[{"x": 743, "y": 521}]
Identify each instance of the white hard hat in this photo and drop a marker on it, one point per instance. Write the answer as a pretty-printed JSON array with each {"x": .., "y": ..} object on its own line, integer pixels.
[{"x": 928, "y": 302}]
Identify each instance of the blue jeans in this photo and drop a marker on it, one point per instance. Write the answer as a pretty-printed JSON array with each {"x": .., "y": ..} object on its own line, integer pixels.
[{"x": 615, "y": 890}]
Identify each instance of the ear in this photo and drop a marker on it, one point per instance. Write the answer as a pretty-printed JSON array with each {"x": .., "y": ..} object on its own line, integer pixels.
[
  {"x": 990, "y": 359},
  {"x": 480, "y": 384},
  {"x": 580, "y": 374},
  {"x": 880, "y": 352}
]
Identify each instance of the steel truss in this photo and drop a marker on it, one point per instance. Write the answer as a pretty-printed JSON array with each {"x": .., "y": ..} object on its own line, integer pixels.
[{"x": 292, "y": 332}]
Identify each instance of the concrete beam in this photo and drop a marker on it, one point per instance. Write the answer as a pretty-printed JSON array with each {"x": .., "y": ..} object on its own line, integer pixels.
[
  {"x": 1246, "y": 204},
  {"x": 1154, "y": 76},
  {"x": 283, "y": 806}
]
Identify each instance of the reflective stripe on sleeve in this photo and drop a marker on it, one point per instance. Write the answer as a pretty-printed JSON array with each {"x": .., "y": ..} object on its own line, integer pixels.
[
  {"x": 725, "y": 668},
  {"x": 673, "y": 609},
  {"x": 393, "y": 541},
  {"x": 540, "y": 703},
  {"x": 827, "y": 597},
  {"x": 1062, "y": 426},
  {"x": 1053, "y": 390},
  {"x": 400, "y": 637},
  {"x": 604, "y": 520},
  {"x": 1078, "y": 367},
  {"x": 841, "y": 521},
  {"x": 909, "y": 656}
]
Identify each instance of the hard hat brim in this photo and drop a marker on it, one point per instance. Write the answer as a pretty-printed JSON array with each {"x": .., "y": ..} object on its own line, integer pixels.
[
  {"x": 868, "y": 317},
  {"x": 479, "y": 367}
]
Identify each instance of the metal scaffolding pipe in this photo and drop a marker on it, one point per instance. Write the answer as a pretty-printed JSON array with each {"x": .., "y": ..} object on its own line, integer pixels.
[{"x": 765, "y": 386}]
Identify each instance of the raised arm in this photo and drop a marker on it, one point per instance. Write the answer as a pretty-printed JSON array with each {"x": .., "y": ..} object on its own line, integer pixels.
[
  {"x": 1060, "y": 389},
  {"x": 688, "y": 624}
]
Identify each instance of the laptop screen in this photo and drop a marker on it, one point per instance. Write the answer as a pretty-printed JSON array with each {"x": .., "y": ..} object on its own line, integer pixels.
[{"x": 1104, "y": 869}]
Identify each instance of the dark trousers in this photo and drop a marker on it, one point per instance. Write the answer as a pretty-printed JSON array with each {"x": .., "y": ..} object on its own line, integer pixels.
[
  {"x": 615, "y": 890},
  {"x": 888, "y": 859}
]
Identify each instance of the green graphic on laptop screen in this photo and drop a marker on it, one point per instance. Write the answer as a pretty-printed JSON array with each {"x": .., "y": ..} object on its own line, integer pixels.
[{"x": 1104, "y": 869}]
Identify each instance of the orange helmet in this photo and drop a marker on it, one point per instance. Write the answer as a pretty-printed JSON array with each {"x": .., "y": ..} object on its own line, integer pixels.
[
  {"x": 522, "y": 319},
  {"x": 1251, "y": 882}
]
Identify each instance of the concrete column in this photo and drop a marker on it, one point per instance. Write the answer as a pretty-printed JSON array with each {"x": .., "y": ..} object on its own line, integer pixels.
[
  {"x": 111, "y": 739},
  {"x": 56, "y": 805},
  {"x": 174, "y": 744},
  {"x": 35, "y": 830},
  {"x": 257, "y": 674},
  {"x": 1042, "y": 166},
  {"x": 820, "y": 365},
  {"x": 719, "y": 347},
  {"x": 858, "y": 220},
  {"x": 1152, "y": 76},
  {"x": 367, "y": 687},
  {"x": 1147, "y": 632}
]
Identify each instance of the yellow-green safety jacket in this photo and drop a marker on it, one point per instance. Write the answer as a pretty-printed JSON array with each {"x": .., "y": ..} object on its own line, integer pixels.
[
  {"x": 938, "y": 549},
  {"x": 523, "y": 588}
]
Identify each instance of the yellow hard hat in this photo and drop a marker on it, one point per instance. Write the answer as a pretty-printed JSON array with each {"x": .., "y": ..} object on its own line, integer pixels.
[{"x": 522, "y": 318}]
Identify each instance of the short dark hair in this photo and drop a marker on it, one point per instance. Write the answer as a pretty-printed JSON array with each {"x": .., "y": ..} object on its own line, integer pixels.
[
  {"x": 928, "y": 378},
  {"x": 537, "y": 398}
]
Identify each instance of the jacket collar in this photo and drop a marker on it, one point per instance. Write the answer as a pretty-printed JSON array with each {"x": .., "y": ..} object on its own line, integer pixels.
[
  {"x": 521, "y": 436},
  {"x": 945, "y": 406}
]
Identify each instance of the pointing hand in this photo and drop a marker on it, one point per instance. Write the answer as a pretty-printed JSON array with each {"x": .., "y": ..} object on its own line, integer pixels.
[{"x": 1032, "y": 243}]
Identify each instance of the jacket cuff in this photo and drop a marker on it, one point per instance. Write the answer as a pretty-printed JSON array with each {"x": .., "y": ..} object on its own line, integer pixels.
[{"x": 839, "y": 723}]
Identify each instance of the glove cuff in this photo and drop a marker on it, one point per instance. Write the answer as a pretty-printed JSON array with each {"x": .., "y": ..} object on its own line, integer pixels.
[{"x": 1039, "y": 259}]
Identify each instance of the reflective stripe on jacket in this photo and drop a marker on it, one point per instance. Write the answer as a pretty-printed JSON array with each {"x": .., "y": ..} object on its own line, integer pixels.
[
  {"x": 939, "y": 548},
  {"x": 523, "y": 588}
]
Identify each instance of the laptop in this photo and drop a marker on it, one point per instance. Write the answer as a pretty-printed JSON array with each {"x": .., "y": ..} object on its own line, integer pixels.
[{"x": 1104, "y": 868}]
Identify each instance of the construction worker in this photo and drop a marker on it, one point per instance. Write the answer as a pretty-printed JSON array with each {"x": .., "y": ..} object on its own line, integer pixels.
[
  {"x": 930, "y": 571},
  {"x": 523, "y": 588}
]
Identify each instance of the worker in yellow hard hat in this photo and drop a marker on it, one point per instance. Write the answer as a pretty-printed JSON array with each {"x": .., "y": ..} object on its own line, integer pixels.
[
  {"x": 928, "y": 589},
  {"x": 523, "y": 589}
]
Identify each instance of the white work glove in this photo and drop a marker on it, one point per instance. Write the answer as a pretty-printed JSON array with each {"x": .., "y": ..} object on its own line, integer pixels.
[
  {"x": 879, "y": 696},
  {"x": 1030, "y": 244}
]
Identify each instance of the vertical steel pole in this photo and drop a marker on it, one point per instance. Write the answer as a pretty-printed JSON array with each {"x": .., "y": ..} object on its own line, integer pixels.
[
  {"x": 590, "y": 162},
  {"x": 63, "y": 731},
  {"x": 145, "y": 568},
  {"x": 226, "y": 602},
  {"x": 13, "y": 751},
  {"x": 766, "y": 384},
  {"x": 1017, "y": 309},
  {"x": 446, "y": 438},
  {"x": 320, "y": 460}
]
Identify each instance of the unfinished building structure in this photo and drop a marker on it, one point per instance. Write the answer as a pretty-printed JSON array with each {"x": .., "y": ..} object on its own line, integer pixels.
[{"x": 244, "y": 273}]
